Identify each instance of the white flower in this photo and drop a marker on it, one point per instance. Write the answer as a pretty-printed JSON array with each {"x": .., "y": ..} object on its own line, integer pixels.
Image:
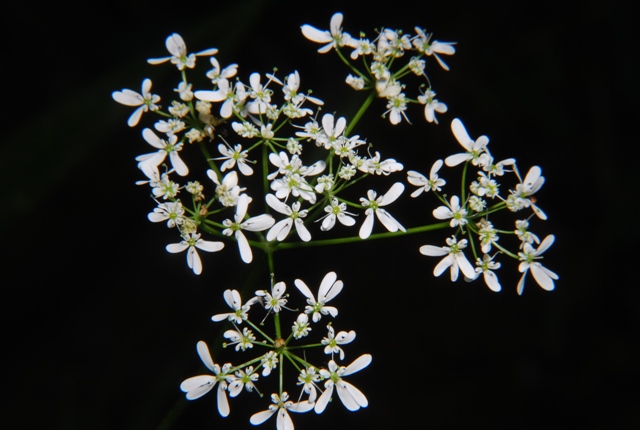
[
  {"x": 374, "y": 205},
  {"x": 198, "y": 386},
  {"x": 146, "y": 101},
  {"x": 301, "y": 326},
  {"x": 431, "y": 106},
  {"x": 524, "y": 234},
  {"x": 396, "y": 107},
  {"x": 329, "y": 288},
  {"x": 281, "y": 229},
  {"x": 333, "y": 38},
  {"x": 276, "y": 299},
  {"x": 308, "y": 378},
  {"x": 423, "y": 43},
  {"x": 233, "y": 97},
  {"x": 355, "y": 82},
  {"x": 433, "y": 183},
  {"x": 528, "y": 187},
  {"x": 242, "y": 340},
  {"x": 260, "y": 94},
  {"x": 227, "y": 190},
  {"x": 282, "y": 405},
  {"x": 454, "y": 258},
  {"x": 257, "y": 223},
  {"x": 239, "y": 314},
  {"x": 452, "y": 210},
  {"x": 178, "y": 50},
  {"x": 191, "y": 242},
  {"x": 233, "y": 156},
  {"x": 486, "y": 266},
  {"x": 172, "y": 212},
  {"x": 331, "y": 131},
  {"x": 244, "y": 379},
  {"x": 171, "y": 147},
  {"x": 528, "y": 256},
  {"x": 333, "y": 341},
  {"x": 269, "y": 362},
  {"x": 351, "y": 397},
  {"x": 474, "y": 148},
  {"x": 336, "y": 210},
  {"x": 216, "y": 74}
]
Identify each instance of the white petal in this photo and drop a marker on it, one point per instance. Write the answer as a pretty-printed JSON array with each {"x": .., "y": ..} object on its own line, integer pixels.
[
  {"x": 367, "y": 225},
  {"x": 299, "y": 283},
  {"x": 393, "y": 193},
  {"x": 465, "y": 266},
  {"x": 193, "y": 260},
  {"x": 127, "y": 98},
  {"x": 258, "y": 223},
  {"x": 416, "y": 178},
  {"x": 491, "y": 280},
  {"x": 302, "y": 231},
  {"x": 323, "y": 400},
  {"x": 329, "y": 288},
  {"x": 277, "y": 205},
  {"x": 546, "y": 243},
  {"x": 316, "y": 35},
  {"x": 443, "y": 265},
  {"x": 460, "y": 132},
  {"x": 197, "y": 386},
  {"x": 454, "y": 160},
  {"x": 543, "y": 276},
  {"x": 345, "y": 396},
  {"x": 280, "y": 230},
  {"x": 388, "y": 221},
  {"x": 260, "y": 417},
  {"x": 223, "y": 402},
  {"x": 442, "y": 212},
  {"x": 179, "y": 165},
  {"x": 177, "y": 247},
  {"x": 205, "y": 356},
  {"x": 358, "y": 364},
  {"x": 300, "y": 407},
  {"x": 135, "y": 117},
  {"x": 433, "y": 251},
  {"x": 209, "y": 246},
  {"x": 244, "y": 247},
  {"x": 283, "y": 421}
]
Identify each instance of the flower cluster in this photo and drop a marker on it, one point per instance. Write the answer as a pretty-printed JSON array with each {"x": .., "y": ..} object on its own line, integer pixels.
[
  {"x": 276, "y": 350},
  {"x": 276, "y": 172}
]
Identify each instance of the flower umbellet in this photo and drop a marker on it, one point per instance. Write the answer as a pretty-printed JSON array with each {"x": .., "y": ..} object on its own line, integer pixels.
[{"x": 268, "y": 142}]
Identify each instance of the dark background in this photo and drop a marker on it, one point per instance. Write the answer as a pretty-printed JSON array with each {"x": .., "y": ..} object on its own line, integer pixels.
[{"x": 100, "y": 323}]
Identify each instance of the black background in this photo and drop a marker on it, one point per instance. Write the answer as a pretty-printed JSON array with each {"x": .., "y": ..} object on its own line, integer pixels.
[{"x": 100, "y": 323}]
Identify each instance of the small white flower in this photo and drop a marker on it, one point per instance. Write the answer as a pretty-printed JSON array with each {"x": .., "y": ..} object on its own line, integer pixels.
[
  {"x": 528, "y": 261},
  {"x": 419, "y": 180},
  {"x": 528, "y": 187},
  {"x": 281, "y": 405},
  {"x": 171, "y": 212},
  {"x": 423, "y": 43},
  {"x": 198, "y": 386},
  {"x": 309, "y": 378},
  {"x": 244, "y": 379},
  {"x": 269, "y": 361},
  {"x": 281, "y": 229},
  {"x": 190, "y": 243},
  {"x": 355, "y": 82},
  {"x": 351, "y": 397},
  {"x": 336, "y": 211},
  {"x": 454, "y": 258},
  {"x": 242, "y": 340},
  {"x": 329, "y": 288},
  {"x": 216, "y": 74},
  {"x": 235, "y": 228},
  {"x": 276, "y": 299},
  {"x": 170, "y": 147},
  {"x": 301, "y": 326},
  {"x": 333, "y": 38},
  {"x": 233, "y": 156},
  {"x": 333, "y": 341},
  {"x": 431, "y": 106},
  {"x": 452, "y": 211},
  {"x": 374, "y": 205},
  {"x": 146, "y": 101},
  {"x": 178, "y": 50},
  {"x": 475, "y": 149},
  {"x": 486, "y": 266},
  {"x": 228, "y": 191},
  {"x": 239, "y": 314}
]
